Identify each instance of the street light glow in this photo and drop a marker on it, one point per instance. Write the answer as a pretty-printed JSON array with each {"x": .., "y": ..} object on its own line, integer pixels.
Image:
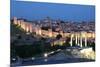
[{"x": 45, "y": 55}]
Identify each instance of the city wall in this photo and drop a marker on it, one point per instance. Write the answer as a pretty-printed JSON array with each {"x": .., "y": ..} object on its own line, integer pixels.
[{"x": 30, "y": 27}]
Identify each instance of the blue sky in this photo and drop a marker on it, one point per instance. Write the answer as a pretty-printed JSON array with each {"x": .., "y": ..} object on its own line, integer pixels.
[{"x": 38, "y": 10}]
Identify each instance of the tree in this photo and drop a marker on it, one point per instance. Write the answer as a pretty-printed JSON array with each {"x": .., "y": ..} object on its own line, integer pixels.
[
  {"x": 93, "y": 46},
  {"x": 58, "y": 36}
]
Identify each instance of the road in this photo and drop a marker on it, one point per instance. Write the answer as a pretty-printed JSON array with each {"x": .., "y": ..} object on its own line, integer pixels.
[{"x": 57, "y": 58}]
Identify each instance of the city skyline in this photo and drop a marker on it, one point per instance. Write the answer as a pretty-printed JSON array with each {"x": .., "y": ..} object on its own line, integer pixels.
[
  {"x": 51, "y": 33},
  {"x": 38, "y": 11}
]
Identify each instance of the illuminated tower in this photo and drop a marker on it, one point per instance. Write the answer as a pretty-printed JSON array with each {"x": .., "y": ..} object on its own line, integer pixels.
[
  {"x": 76, "y": 38},
  {"x": 31, "y": 28},
  {"x": 50, "y": 32},
  {"x": 81, "y": 39},
  {"x": 78, "y": 42},
  {"x": 60, "y": 26},
  {"x": 39, "y": 27},
  {"x": 27, "y": 27},
  {"x": 85, "y": 38},
  {"x": 38, "y": 30},
  {"x": 85, "y": 41},
  {"x": 15, "y": 20},
  {"x": 22, "y": 24},
  {"x": 19, "y": 22},
  {"x": 50, "y": 25},
  {"x": 71, "y": 41}
]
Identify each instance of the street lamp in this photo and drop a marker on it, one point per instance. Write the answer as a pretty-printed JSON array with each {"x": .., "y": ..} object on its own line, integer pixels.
[
  {"x": 33, "y": 58},
  {"x": 45, "y": 55},
  {"x": 13, "y": 59}
]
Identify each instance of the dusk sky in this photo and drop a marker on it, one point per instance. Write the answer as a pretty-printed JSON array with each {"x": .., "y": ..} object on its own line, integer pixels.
[{"x": 38, "y": 10}]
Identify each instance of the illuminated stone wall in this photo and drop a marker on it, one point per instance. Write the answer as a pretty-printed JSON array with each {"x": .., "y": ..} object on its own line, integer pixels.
[{"x": 29, "y": 27}]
